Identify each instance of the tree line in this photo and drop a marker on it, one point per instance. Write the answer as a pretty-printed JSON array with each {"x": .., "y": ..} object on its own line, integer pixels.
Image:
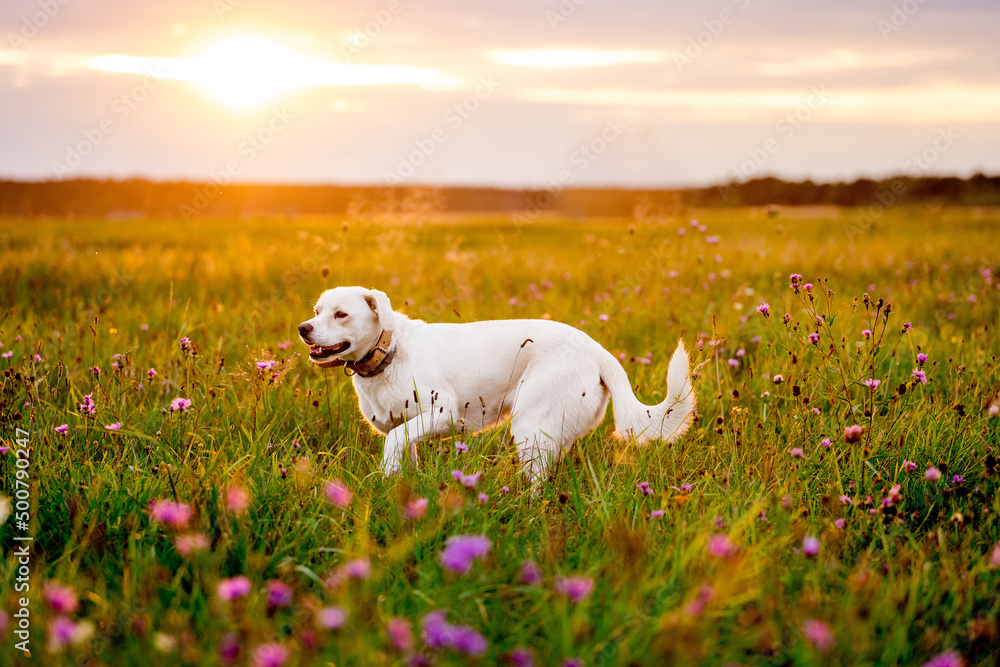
[{"x": 133, "y": 198}]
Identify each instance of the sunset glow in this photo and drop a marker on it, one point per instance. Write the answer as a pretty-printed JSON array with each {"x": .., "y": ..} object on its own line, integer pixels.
[
  {"x": 248, "y": 71},
  {"x": 501, "y": 97}
]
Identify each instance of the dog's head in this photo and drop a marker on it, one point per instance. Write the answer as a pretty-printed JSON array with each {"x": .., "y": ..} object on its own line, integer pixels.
[{"x": 347, "y": 324}]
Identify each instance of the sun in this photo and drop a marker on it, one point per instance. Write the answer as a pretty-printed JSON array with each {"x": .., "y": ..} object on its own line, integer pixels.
[{"x": 248, "y": 72}]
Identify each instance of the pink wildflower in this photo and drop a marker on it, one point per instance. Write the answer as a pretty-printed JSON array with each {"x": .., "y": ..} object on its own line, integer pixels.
[
  {"x": 61, "y": 599},
  {"x": 180, "y": 404},
  {"x": 400, "y": 634},
  {"x": 230, "y": 589},
  {"x": 169, "y": 512},
  {"x": 415, "y": 509},
  {"x": 575, "y": 588},
  {"x": 819, "y": 635},
  {"x": 720, "y": 546},
  {"x": 188, "y": 543},
  {"x": 237, "y": 499},
  {"x": 337, "y": 493},
  {"x": 270, "y": 655},
  {"x": 810, "y": 546}
]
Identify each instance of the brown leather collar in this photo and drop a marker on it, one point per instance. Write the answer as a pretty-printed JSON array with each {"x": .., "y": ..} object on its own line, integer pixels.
[{"x": 373, "y": 363}]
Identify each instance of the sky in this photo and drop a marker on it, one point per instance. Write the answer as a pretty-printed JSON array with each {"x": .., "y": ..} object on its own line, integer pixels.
[{"x": 522, "y": 93}]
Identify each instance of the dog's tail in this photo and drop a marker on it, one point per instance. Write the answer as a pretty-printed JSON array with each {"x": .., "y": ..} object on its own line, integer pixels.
[{"x": 667, "y": 421}]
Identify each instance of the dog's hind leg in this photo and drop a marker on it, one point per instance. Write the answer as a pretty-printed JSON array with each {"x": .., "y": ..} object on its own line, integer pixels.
[{"x": 555, "y": 406}]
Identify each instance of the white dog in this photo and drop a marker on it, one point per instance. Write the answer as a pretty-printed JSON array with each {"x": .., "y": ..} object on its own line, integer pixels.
[{"x": 416, "y": 380}]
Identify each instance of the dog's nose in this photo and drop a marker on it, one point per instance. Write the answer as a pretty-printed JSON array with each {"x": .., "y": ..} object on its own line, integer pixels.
[{"x": 305, "y": 328}]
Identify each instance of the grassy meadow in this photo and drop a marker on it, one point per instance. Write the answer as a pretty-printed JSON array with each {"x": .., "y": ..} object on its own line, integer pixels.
[{"x": 773, "y": 533}]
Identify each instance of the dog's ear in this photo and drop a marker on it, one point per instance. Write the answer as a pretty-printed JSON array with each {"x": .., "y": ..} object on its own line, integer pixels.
[{"x": 379, "y": 303}]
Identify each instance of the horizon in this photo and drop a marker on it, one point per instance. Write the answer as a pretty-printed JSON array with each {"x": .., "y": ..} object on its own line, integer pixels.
[{"x": 631, "y": 95}]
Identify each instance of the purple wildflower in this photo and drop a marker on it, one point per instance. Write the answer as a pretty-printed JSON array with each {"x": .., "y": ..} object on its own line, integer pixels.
[
  {"x": 113, "y": 427},
  {"x": 531, "y": 574},
  {"x": 919, "y": 375},
  {"x": 470, "y": 481},
  {"x": 88, "y": 407},
  {"x": 521, "y": 657},
  {"x": 229, "y": 648},
  {"x": 656, "y": 514},
  {"x": 644, "y": 487},
  {"x": 921, "y": 359},
  {"x": 169, "y": 512},
  {"x": 63, "y": 428},
  {"x": 461, "y": 550},
  {"x": 62, "y": 632},
  {"x": 872, "y": 383},
  {"x": 279, "y": 594},
  {"x": 797, "y": 452},
  {"x": 932, "y": 474},
  {"x": 764, "y": 309},
  {"x": 437, "y": 632}
]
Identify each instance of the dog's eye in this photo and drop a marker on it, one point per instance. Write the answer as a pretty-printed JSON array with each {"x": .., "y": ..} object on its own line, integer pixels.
[{"x": 340, "y": 315}]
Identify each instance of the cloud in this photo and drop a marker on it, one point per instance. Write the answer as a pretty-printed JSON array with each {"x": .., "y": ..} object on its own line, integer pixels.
[{"x": 569, "y": 58}]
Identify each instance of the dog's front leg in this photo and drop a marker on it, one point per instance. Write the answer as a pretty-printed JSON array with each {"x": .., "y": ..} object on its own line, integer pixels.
[{"x": 424, "y": 426}]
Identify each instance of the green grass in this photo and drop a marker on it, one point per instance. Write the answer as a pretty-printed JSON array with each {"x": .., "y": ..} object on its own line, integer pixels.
[{"x": 897, "y": 584}]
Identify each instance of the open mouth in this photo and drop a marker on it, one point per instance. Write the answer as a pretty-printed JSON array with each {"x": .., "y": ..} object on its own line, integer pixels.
[{"x": 317, "y": 352}]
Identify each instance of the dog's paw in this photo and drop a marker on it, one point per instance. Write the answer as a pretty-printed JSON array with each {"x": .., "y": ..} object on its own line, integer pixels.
[{"x": 391, "y": 468}]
